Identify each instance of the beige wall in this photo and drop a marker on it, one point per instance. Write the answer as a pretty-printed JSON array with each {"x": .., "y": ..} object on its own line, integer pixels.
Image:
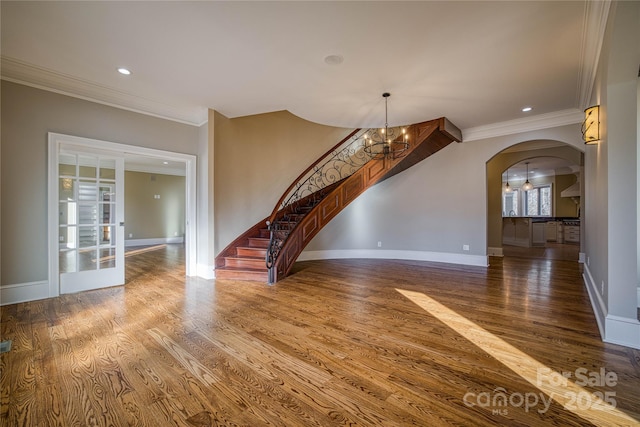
[
  {"x": 255, "y": 159},
  {"x": 27, "y": 115},
  {"x": 565, "y": 206},
  {"x": 149, "y": 217}
]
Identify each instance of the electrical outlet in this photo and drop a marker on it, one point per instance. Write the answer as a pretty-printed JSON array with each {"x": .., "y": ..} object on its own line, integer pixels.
[
  {"x": 465, "y": 247},
  {"x": 588, "y": 261},
  {"x": 130, "y": 235},
  {"x": 62, "y": 238},
  {"x": 379, "y": 244},
  {"x": 602, "y": 288}
]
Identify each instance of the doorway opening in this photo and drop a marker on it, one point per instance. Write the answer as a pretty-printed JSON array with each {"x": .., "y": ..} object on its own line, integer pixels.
[
  {"x": 147, "y": 162},
  {"x": 535, "y": 201}
]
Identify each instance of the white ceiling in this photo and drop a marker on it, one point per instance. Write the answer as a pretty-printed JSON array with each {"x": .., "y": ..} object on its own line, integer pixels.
[
  {"x": 477, "y": 63},
  {"x": 541, "y": 166}
]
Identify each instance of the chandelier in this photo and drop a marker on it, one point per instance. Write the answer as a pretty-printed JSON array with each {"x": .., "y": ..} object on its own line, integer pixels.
[{"x": 386, "y": 142}]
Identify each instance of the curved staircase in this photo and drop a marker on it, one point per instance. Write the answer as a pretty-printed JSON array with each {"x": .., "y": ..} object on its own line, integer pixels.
[{"x": 267, "y": 251}]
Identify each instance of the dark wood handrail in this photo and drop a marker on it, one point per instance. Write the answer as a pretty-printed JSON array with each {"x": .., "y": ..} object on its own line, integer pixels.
[{"x": 278, "y": 206}]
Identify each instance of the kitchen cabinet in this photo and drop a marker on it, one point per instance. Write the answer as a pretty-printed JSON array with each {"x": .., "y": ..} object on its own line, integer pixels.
[
  {"x": 572, "y": 233},
  {"x": 551, "y": 231},
  {"x": 538, "y": 234}
]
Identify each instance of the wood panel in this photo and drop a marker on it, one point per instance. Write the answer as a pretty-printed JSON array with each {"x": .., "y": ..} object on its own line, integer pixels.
[
  {"x": 353, "y": 187},
  {"x": 343, "y": 342},
  {"x": 329, "y": 207},
  {"x": 309, "y": 227}
]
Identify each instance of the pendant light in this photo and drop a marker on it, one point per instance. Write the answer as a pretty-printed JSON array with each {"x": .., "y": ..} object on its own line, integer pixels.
[
  {"x": 527, "y": 185},
  {"x": 507, "y": 188}
]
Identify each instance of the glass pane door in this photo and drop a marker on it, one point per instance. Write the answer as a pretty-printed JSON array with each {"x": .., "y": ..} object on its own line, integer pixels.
[{"x": 91, "y": 239}]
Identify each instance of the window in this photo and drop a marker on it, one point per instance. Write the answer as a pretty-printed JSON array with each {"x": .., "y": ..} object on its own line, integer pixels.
[
  {"x": 510, "y": 203},
  {"x": 537, "y": 202}
]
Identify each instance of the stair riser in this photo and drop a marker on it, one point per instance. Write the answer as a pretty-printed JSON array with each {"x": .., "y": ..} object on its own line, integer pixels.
[
  {"x": 252, "y": 252},
  {"x": 258, "y": 264},
  {"x": 258, "y": 243}
]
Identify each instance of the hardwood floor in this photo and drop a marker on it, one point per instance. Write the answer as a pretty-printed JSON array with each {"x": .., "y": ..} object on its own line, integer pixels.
[
  {"x": 342, "y": 342},
  {"x": 551, "y": 250}
]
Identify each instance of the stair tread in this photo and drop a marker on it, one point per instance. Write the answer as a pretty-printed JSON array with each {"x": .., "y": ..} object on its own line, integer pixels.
[{"x": 242, "y": 269}]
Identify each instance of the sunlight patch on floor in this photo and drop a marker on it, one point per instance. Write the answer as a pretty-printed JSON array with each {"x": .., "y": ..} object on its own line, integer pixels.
[
  {"x": 559, "y": 388},
  {"x": 143, "y": 250}
]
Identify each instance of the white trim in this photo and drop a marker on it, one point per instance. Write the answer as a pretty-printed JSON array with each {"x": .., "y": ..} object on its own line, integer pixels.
[
  {"x": 639, "y": 296},
  {"x": 190, "y": 200},
  {"x": 16, "y": 71},
  {"x": 206, "y": 271},
  {"x": 622, "y": 331},
  {"x": 495, "y": 251},
  {"x": 613, "y": 329},
  {"x": 540, "y": 121},
  {"x": 597, "y": 303},
  {"x": 452, "y": 258},
  {"x": 153, "y": 241},
  {"x": 22, "y": 292},
  {"x": 595, "y": 25}
]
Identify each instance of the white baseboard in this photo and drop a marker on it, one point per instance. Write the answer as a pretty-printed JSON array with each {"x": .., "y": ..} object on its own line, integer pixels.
[
  {"x": 623, "y": 331},
  {"x": 477, "y": 260},
  {"x": 154, "y": 241},
  {"x": 23, "y": 292},
  {"x": 205, "y": 271},
  {"x": 495, "y": 251},
  {"x": 597, "y": 303},
  {"x": 613, "y": 329}
]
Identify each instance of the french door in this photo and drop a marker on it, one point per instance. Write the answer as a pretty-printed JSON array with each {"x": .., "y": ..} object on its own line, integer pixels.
[{"x": 91, "y": 219}]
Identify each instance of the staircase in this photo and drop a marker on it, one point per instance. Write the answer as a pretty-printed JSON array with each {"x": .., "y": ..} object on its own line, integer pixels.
[{"x": 312, "y": 200}]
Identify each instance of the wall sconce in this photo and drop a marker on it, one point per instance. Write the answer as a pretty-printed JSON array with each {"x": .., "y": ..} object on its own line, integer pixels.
[{"x": 591, "y": 125}]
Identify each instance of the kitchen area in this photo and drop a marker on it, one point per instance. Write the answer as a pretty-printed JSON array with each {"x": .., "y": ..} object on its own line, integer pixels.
[
  {"x": 538, "y": 231},
  {"x": 541, "y": 210}
]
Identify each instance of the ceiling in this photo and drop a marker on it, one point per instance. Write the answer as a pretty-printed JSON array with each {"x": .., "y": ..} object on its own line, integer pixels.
[
  {"x": 477, "y": 63},
  {"x": 539, "y": 167}
]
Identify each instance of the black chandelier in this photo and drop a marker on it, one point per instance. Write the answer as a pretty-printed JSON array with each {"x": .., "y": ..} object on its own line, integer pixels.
[{"x": 386, "y": 142}]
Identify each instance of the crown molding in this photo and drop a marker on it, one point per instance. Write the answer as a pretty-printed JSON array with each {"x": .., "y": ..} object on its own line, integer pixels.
[
  {"x": 17, "y": 71},
  {"x": 596, "y": 15},
  {"x": 538, "y": 122}
]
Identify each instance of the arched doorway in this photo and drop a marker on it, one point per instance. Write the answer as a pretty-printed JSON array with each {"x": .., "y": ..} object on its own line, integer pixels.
[{"x": 540, "y": 222}]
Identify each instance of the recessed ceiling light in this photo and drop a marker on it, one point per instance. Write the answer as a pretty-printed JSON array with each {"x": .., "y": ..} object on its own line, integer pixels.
[
  {"x": 334, "y": 59},
  {"x": 527, "y": 109},
  {"x": 165, "y": 163},
  {"x": 124, "y": 71}
]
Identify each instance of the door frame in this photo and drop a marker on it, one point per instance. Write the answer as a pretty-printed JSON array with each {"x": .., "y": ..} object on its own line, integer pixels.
[{"x": 54, "y": 142}]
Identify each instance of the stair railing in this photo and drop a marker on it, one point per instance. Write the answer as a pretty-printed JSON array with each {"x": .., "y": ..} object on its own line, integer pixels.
[{"x": 337, "y": 164}]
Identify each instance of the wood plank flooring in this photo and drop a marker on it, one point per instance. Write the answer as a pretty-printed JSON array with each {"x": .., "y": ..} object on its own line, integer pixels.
[{"x": 342, "y": 342}]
